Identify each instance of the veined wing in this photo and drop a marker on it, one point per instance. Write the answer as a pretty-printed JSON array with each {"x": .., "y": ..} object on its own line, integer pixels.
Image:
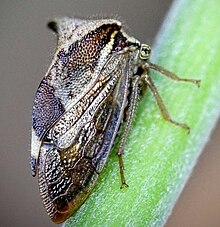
[{"x": 75, "y": 150}]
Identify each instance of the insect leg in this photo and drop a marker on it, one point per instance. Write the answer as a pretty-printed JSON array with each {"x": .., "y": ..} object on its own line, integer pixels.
[
  {"x": 134, "y": 96},
  {"x": 169, "y": 74},
  {"x": 161, "y": 104}
]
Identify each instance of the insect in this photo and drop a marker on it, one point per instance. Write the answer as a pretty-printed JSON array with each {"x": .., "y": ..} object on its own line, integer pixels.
[{"x": 91, "y": 87}]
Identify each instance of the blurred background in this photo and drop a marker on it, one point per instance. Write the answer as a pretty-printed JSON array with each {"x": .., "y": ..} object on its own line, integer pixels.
[{"x": 26, "y": 50}]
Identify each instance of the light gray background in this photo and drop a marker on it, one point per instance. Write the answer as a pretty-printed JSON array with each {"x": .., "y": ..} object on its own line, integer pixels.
[{"x": 26, "y": 50}]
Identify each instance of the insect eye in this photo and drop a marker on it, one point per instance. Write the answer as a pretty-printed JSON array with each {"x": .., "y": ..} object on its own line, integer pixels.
[{"x": 145, "y": 51}]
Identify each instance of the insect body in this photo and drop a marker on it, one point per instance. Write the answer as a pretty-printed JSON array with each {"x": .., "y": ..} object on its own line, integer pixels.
[{"x": 92, "y": 85}]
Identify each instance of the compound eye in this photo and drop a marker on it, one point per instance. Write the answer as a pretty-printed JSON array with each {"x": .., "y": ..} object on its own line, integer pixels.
[{"x": 145, "y": 51}]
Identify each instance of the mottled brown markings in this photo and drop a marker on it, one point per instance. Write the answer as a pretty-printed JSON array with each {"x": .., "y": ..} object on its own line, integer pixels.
[
  {"x": 67, "y": 179},
  {"x": 86, "y": 52}
]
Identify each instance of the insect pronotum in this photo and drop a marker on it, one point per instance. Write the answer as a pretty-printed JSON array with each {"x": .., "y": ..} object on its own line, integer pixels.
[{"x": 92, "y": 85}]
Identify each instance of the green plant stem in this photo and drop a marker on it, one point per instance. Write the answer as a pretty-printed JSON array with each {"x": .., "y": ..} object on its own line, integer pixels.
[{"x": 159, "y": 156}]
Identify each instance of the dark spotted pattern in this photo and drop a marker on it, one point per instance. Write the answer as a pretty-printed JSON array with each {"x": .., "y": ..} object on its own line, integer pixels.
[{"x": 46, "y": 110}]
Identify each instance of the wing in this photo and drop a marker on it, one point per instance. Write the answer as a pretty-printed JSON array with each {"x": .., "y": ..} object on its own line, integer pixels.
[{"x": 75, "y": 149}]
